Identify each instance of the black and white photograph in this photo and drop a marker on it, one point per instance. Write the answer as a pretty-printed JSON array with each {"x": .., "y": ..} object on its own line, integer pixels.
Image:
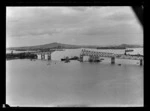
[{"x": 74, "y": 56}]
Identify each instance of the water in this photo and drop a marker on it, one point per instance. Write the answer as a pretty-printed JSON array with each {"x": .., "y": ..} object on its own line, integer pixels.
[{"x": 55, "y": 83}]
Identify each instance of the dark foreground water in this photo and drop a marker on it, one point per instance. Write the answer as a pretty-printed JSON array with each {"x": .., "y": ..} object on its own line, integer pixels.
[{"x": 43, "y": 83}]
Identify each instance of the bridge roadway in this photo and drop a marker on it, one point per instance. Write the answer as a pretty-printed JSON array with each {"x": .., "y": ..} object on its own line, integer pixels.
[{"x": 110, "y": 55}]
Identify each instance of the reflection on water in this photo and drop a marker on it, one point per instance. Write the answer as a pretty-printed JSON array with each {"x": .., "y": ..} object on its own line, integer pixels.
[{"x": 55, "y": 83}]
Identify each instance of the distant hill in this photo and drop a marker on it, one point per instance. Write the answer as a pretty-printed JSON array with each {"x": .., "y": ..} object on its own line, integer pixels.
[
  {"x": 68, "y": 46},
  {"x": 122, "y": 46},
  {"x": 46, "y": 46},
  {"x": 131, "y": 46}
]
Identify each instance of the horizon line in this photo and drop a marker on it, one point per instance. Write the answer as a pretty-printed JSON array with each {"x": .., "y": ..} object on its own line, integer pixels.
[{"x": 76, "y": 45}]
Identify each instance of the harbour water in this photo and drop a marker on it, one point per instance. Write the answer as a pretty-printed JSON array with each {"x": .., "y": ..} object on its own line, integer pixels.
[{"x": 55, "y": 83}]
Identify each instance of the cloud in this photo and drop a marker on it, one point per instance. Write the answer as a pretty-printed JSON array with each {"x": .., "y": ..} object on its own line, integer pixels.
[
  {"x": 121, "y": 17},
  {"x": 80, "y": 8},
  {"x": 36, "y": 33},
  {"x": 85, "y": 8},
  {"x": 70, "y": 23},
  {"x": 39, "y": 20},
  {"x": 121, "y": 30}
]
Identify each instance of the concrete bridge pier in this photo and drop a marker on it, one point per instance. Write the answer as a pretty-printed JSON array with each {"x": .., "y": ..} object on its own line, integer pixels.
[
  {"x": 81, "y": 58},
  {"x": 141, "y": 62},
  {"x": 112, "y": 60},
  {"x": 49, "y": 56},
  {"x": 42, "y": 56},
  {"x": 38, "y": 56},
  {"x": 90, "y": 59}
]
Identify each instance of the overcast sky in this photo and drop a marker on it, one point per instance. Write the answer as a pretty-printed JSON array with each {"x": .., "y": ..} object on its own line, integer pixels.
[{"x": 28, "y": 26}]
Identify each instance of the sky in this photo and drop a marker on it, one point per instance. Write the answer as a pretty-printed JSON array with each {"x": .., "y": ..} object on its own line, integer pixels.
[{"x": 99, "y": 25}]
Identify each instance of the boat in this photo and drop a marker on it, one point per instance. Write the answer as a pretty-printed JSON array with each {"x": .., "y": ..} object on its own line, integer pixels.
[
  {"x": 63, "y": 59},
  {"x": 74, "y": 58},
  {"x": 66, "y": 59}
]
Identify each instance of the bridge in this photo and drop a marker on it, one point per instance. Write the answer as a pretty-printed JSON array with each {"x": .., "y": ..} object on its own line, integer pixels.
[
  {"x": 43, "y": 55},
  {"x": 96, "y": 55},
  {"x": 46, "y": 54}
]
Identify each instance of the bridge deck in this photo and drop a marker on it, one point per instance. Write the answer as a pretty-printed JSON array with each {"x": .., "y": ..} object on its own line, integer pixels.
[{"x": 105, "y": 54}]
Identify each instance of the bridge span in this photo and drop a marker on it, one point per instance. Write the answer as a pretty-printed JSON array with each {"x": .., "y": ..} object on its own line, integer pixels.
[{"x": 95, "y": 54}]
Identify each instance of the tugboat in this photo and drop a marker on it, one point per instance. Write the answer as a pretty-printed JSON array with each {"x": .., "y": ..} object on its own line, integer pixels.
[
  {"x": 74, "y": 58},
  {"x": 63, "y": 59},
  {"x": 66, "y": 60}
]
